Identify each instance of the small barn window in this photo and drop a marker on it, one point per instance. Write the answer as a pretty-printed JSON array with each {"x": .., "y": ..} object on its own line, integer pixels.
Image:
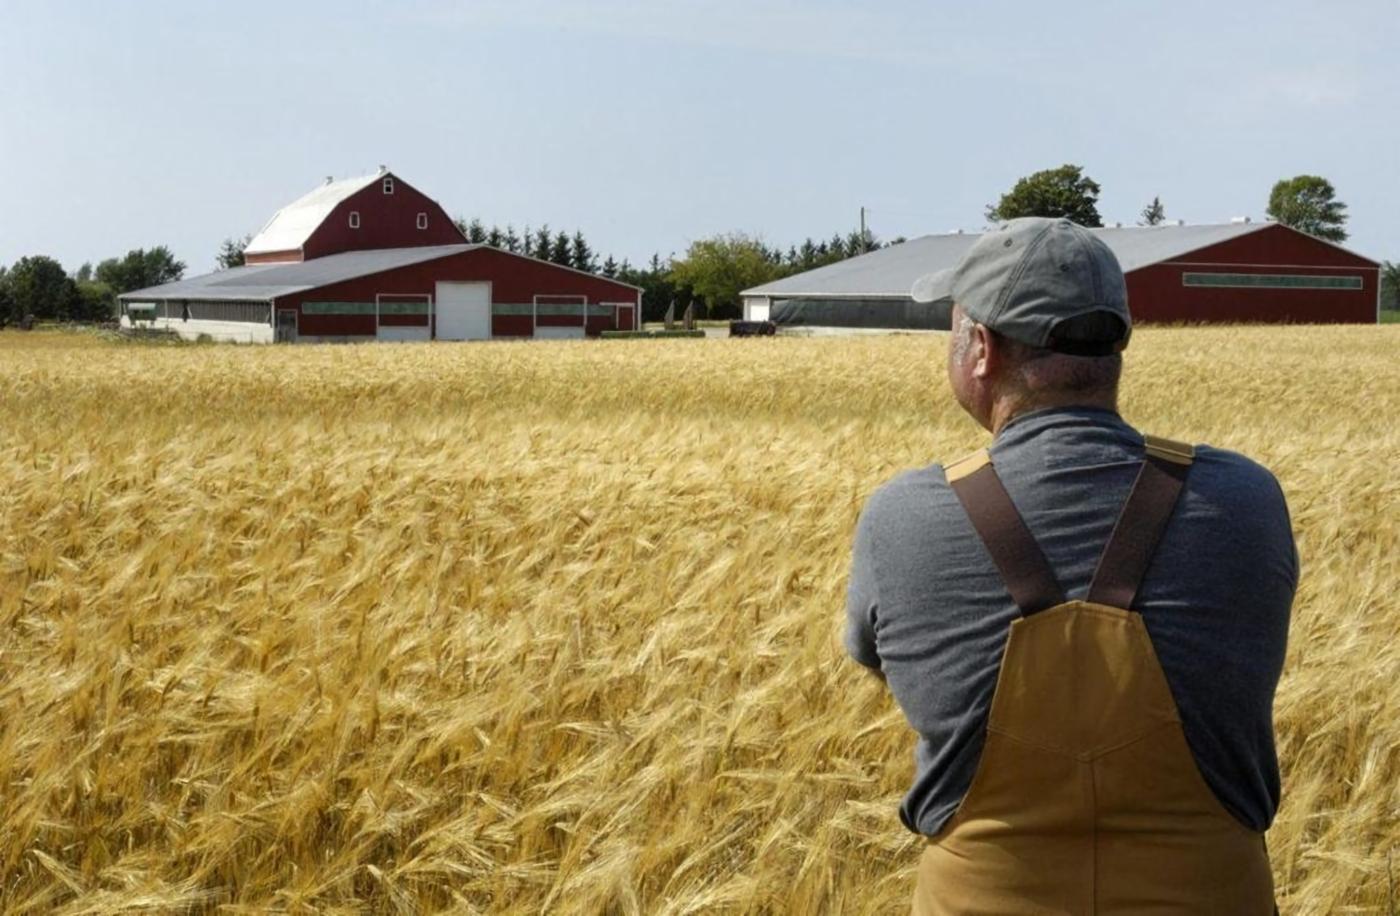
[
  {"x": 354, "y": 219},
  {"x": 388, "y": 185},
  {"x": 422, "y": 221}
]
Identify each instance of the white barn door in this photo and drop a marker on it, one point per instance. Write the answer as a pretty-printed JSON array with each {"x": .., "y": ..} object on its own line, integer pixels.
[{"x": 463, "y": 311}]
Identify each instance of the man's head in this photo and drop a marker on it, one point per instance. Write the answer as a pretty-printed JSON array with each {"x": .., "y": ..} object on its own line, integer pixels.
[{"x": 1040, "y": 317}]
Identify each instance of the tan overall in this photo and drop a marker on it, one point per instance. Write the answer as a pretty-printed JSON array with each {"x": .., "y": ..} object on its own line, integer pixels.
[{"x": 1086, "y": 799}]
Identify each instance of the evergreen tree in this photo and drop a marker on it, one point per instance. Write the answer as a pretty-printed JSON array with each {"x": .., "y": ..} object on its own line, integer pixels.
[
  {"x": 476, "y": 232},
  {"x": 561, "y": 250},
  {"x": 527, "y": 243},
  {"x": 231, "y": 252},
  {"x": 543, "y": 242},
  {"x": 84, "y": 273},
  {"x": 581, "y": 256},
  {"x": 610, "y": 267},
  {"x": 1153, "y": 214},
  {"x": 512, "y": 241},
  {"x": 495, "y": 238}
]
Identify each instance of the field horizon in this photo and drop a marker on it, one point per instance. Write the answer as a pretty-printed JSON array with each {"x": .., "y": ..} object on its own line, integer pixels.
[{"x": 555, "y": 626}]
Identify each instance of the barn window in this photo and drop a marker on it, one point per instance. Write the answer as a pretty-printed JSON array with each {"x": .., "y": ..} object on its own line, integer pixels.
[
  {"x": 1271, "y": 281},
  {"x": 388, "y": 186},
  {"x": 422, "y": 221},
  {"x": 354, "y": 219}
]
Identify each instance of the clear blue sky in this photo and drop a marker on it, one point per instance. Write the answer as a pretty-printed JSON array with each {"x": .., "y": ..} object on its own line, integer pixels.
[{"x": 649, "y": 123}]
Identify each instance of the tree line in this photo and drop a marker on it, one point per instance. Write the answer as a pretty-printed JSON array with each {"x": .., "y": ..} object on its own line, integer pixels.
[
  {"x": 710, "y": 275},
  {"x": 38, "y": 288}
]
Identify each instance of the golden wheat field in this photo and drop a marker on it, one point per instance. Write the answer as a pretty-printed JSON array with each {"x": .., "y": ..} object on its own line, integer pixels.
[{"x": 554, "y": 627}]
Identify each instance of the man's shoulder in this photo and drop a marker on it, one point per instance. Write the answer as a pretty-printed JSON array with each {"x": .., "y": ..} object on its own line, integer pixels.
[
  {"x": 915, "y": 490},
  {"x": 1233, "y": 476}
]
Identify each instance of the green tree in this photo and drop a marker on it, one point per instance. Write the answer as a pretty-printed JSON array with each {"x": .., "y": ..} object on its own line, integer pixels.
[
  {"x": 718, "y": 268},
  {"x": 84, "y": 273},
  {"x": 610, "y": 267},
  {"x": 658, "y": 291},
  {"x": 561, "y": 250},
  {"x": 1065, "y": 191},
  {"x": 7, "y": 305},
  {"x": 496, "y": 238},
  {"x": 231, "y": 252},
  {"x": 511, "y": 240},
  {"x": 96, "y": 301},
  {"x": 39, "y": 286},
  {"x": 581, "y": 256},
  {"x": 1153, "y": 214},
  {"x": 1309, "y": 204},
  {"x": 1390, "y": 285},
  {"x": 542, "y": 243},
  {"x": 140, "y": 269}
]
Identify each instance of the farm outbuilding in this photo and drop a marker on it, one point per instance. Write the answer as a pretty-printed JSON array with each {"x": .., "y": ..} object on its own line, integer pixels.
[
  {"x": 1240, "y": 271},
  {"x": 344, "y": 263}
]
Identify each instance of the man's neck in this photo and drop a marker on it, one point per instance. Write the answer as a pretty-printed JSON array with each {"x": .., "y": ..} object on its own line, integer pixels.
[{"x": 1004, "y": 410}]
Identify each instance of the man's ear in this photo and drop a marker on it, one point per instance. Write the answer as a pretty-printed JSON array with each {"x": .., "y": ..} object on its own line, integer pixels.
[{"x": 985, "y": 354}]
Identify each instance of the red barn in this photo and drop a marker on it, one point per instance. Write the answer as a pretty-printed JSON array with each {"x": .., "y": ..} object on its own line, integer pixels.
[
  {"x": 1240, "y": 271},
  {"x": 374, "y": 259}
]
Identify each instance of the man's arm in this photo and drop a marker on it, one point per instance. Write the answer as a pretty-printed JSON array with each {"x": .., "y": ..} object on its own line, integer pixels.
[{"x": 862, "y": 597}]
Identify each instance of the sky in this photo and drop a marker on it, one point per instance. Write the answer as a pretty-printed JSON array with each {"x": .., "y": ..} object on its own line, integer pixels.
[{"x": 650, "y": 123}]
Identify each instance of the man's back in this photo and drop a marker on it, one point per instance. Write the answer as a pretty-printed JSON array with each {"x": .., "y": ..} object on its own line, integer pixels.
[{"x": 929, "y": 608}]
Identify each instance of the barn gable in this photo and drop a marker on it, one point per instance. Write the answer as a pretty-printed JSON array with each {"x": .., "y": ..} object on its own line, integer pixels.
[{"x": 355, "y": 214}]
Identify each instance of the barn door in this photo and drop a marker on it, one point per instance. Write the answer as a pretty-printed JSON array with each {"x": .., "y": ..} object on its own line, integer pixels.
[{"x": 286, "y": 326}]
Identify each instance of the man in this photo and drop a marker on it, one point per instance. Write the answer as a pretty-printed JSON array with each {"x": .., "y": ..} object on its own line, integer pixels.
[{"x": 1085, "y": 626}]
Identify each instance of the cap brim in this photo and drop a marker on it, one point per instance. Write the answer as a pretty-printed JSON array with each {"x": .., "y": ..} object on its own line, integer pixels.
[{"x": 934, "y": 287}]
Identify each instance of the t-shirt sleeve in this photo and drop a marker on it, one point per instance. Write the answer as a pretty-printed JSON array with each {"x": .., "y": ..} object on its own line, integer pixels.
[{"x": 862, "y": 595}]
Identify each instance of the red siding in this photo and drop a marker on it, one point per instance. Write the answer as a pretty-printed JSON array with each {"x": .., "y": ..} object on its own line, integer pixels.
[
  {"x": 386, "y": 221},
  {"x": 1157, "y": 294},
  {"x": 514, "y": 280}
]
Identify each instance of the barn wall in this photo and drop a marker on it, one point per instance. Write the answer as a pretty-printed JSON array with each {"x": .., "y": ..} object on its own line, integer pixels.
[
  {"x": 290, "y": 255},
  {"x": 1158, "y": 293},
  {"x": 386, "y": 221},
  {"x": 515, "y": 281}
]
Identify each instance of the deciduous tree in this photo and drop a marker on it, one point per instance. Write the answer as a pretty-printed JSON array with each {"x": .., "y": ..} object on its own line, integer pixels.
[
  {"x": 1390, "y": 285},
  {"x": 718, "y": 268},
  {"x": 1309, "y": 204},
  {"x": 139, "y": 269},
  {"x": 1065, "y": 191},
  {"x": 39, "y": 286}
]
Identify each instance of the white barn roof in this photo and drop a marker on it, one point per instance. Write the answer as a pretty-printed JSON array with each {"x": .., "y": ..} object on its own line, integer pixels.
[
  {"x": 291, "y": 226},
  {"x": 890, "y": 272}
]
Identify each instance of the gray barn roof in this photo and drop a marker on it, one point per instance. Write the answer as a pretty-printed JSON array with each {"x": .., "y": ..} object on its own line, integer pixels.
[
  {"x": 260, "y": 282},
  {"x": 890, "y": 272}
]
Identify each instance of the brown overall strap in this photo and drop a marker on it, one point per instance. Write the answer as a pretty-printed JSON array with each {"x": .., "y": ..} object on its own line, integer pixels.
[
  {"x": 1141, "y": 523},
  {"x": 1017, "y": 556}
]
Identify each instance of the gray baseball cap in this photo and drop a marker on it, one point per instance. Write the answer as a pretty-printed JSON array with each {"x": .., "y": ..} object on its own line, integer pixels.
[{"x": 1027, "y": 276}]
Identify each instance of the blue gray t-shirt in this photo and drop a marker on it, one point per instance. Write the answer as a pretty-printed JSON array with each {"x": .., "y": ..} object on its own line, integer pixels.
[{"x": 927, "y": 607}]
